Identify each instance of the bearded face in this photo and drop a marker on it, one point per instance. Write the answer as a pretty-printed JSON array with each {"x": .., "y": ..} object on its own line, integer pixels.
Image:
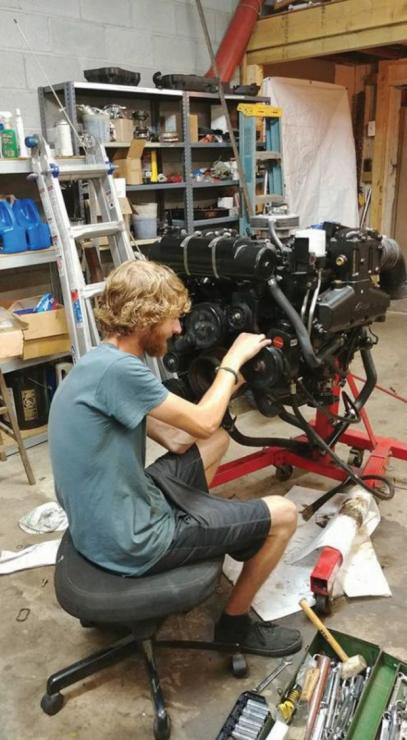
[{"x": 154, "y": 341}]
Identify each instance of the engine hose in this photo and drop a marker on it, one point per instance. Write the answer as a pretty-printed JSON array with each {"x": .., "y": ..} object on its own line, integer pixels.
[
  {"x": 303, "y": 337},
  {"x": 311, "y": 509},
  {"x": 313, "y": 435},
  {"x": 290, "y": 444},
  {"x": 365, "y": 393}
]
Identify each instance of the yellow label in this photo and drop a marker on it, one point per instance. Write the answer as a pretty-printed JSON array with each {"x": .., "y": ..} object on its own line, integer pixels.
[{"x": 261, "y": 110}]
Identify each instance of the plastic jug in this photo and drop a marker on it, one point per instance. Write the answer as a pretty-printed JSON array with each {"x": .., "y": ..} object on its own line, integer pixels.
[
  {"x": 27, "y": 215},
  {"x": 12, "y": 236}
]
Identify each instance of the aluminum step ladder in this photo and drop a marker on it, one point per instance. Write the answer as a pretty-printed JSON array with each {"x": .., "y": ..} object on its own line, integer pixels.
[
  {"x": 94, "y": 169},
  {"x": 270, "y": 156}
]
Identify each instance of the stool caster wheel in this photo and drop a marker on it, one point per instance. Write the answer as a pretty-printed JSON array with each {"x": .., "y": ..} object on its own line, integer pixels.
[
  {"x": 87, "y": 625},
  {"x": 323, "y": 605},
  {"x": 284, "y": 472},
  {"x": 238, "y": 664},
  {"x": 162, "y": 728},
  {"x": 52, "y": 703}
]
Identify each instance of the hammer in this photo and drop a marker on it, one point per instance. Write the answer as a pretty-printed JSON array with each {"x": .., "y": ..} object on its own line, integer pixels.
[{"x": 351, "y": 665}]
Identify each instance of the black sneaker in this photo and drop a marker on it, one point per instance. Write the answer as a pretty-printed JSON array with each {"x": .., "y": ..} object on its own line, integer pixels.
[{"x": 260, "y": 638}]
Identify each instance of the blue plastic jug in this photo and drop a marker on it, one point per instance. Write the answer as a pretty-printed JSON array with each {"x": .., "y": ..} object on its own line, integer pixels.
[
  {"x": 27, "y": 216},
  {"x": 12, "y": 236}
]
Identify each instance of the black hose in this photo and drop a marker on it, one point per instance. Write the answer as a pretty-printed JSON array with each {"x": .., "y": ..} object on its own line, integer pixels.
[
  {"x": 290, "y": 444},
  {"x": 311, "y": 509},
  {"x": 299, "y": 327},
  {"x": 312, "y": 434},
  {"x": 365, "y": 393}
]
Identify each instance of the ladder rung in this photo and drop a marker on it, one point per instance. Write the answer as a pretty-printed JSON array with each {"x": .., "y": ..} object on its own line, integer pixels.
[
  {"x": 82, "y": 171},
  {"x": 92, "y": 290},
  {"x": 270, "y": 198},
  {"x": 268, "y": 155},
  {"x": 91, "y": 231}
]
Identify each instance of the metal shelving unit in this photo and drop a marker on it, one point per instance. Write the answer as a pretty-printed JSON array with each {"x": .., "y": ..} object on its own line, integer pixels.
[
  {"x": 15, "y": 166},
  {"x": 16, "y": 363},
  {"x": 216, "y": 184},
  {"x": 15, "y": 260},
  {"x": 72, "y": 92},
  {"x": 156, "y": 186}
]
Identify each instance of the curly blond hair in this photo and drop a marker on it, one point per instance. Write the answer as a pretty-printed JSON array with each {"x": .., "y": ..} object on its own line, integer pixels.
[{"x": 140, "y": 294}]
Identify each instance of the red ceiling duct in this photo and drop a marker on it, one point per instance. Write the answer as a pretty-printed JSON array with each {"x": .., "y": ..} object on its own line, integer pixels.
[{"x": 236, "y": 38}]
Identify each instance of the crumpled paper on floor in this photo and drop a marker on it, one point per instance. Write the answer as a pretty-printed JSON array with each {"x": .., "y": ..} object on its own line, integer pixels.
[
  {"x": 360, "y": 574},
  {"x": 48, "y": 517},
  {"x": 45, "y": 553}
]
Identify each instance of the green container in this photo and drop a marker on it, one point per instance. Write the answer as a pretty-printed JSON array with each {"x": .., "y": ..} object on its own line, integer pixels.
[
  {"x": 9, "y": 144},
  {"x": 374, "y": 700},
  {"x": 377, "y": 692}
]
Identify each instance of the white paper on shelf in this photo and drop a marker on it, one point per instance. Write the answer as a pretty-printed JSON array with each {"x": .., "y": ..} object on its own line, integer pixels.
[
  {"x": 45, "y": 553},
  {"x": 360, "y": 575}
]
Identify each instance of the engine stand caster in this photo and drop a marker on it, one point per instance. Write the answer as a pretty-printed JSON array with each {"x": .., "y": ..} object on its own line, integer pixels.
[
  {"x": 355, "y": 457},
  {"x": 238, "y": 664},
  {"x": 52, "y": 703},
  {"x": 284, "y": 472},
  {"x": 162, "y": 727},
  {"x": 323, "y": 605}
]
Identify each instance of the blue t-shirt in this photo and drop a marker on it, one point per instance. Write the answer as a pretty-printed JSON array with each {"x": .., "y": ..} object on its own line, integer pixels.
[{"x": 118, "y": 518}]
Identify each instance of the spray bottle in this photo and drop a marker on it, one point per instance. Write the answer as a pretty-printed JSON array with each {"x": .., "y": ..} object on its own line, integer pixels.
[{"x": 9, "y": 145}]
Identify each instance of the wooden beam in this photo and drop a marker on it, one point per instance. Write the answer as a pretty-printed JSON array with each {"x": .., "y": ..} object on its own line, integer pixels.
[
  {"x": 343, "y": 26},
  {"x": 392, "y": 75}
]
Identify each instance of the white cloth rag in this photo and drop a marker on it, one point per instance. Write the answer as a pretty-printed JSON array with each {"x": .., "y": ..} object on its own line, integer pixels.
[
  {"x": 45, "y": 553},
  {"x": 48, "y": 517}
]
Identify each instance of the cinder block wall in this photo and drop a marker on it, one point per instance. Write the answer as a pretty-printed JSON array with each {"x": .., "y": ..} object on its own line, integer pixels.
[{"x": 72, "y": 35}]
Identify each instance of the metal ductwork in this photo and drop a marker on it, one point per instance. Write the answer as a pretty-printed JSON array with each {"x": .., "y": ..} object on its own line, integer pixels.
[{"x": 236, "y": 39}]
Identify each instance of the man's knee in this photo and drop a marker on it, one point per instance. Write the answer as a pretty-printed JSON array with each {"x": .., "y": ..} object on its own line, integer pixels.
[
  {"x": 222, "y": 440},
  {"x": 283, "y": 514}
]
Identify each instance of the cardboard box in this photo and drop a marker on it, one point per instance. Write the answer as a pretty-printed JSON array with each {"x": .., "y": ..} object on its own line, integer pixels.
[
  {"x": 47, "y": 346},
  {"x": 124, "y": 128},
  {"x": 11, "y": 334},
  {"x": 45, "y": 333},
  {"x": 129, "y": 164},
  {"x": 173, "y": 122}
]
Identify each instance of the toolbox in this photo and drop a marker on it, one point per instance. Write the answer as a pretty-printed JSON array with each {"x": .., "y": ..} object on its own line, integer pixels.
[
  {"x": 378, "y": 689},
  {"x": 372, "y": 703}
]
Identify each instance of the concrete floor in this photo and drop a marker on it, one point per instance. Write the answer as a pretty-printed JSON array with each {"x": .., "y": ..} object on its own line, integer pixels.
[{"x": 198, "y": 687}]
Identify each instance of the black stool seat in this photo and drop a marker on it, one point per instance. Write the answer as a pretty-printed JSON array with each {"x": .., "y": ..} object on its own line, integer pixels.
[
  {"x": 97, "y": 597},
  {"x": 93, "y": 594}
]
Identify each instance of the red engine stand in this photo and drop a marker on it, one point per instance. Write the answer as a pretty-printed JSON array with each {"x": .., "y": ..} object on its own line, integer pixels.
[{"x": 381, "y": 449}]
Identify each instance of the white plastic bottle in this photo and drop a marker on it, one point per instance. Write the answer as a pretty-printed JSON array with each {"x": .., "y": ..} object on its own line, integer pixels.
[{"x": 19, "y": 126}]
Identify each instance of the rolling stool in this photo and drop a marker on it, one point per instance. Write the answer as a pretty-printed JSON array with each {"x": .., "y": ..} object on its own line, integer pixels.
[{"x": 96, "y": 596}]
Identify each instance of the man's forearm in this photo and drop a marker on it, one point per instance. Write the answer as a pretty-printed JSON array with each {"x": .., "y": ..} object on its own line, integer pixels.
[
  {"x": 216, "y": 399},
  {"x": 168, "y": 436}
]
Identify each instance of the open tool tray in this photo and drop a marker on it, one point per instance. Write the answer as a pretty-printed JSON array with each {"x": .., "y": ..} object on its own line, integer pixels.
[
  {"x": 367, "y": 720},
  {"x": 378, "y": 689}
]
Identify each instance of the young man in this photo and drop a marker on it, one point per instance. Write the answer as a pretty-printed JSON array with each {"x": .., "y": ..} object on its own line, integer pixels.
[{"x": 133, "y": 520}]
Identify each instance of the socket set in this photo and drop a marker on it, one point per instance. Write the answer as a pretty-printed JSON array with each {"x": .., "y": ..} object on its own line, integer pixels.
[
  {"x": 394, "y": 720},
  {"x": 325, "y": 701},
  {"x": 250, "y": 719}
]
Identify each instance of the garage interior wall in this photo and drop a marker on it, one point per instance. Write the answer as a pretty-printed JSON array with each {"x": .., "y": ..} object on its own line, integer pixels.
[{"x": 145, "y": 36}]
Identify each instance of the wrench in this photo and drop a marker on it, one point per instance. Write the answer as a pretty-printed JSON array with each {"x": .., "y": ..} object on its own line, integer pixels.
[{"x": 262, "y": 685}]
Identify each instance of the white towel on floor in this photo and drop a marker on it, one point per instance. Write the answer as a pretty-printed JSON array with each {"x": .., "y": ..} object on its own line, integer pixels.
[
  {"x": 48, "y": 517},
  {"x": 45, "y": 553}
]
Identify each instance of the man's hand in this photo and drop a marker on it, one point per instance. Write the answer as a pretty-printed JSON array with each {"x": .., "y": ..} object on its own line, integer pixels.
[{"x": 244, "y": 348}]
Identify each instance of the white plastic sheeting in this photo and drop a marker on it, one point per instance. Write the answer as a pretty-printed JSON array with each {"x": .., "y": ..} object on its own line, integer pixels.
[{"x": 318, "y": 150}]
